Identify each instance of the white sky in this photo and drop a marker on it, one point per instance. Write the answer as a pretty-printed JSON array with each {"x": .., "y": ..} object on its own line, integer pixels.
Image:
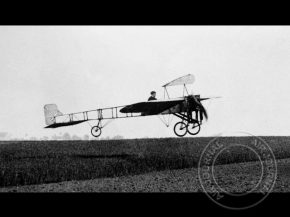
[{"x": 88, "y": 67}]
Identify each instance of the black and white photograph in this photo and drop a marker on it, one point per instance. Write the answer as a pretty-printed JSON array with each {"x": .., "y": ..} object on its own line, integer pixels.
[{"x": 146, "y": 109}]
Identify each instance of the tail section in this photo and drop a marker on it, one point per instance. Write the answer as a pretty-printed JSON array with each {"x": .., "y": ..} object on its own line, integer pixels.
[{"x": 50, "y": 111}]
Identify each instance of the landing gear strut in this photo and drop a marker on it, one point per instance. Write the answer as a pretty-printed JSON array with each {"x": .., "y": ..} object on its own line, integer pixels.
[{"x": 187, "y": 125}]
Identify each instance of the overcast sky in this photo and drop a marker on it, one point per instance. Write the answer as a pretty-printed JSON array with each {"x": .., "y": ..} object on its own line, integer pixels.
[{"x": 87, "y": 67}]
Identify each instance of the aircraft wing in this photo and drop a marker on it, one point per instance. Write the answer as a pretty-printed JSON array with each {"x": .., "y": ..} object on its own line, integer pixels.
[{"x": 153, "y": 107}]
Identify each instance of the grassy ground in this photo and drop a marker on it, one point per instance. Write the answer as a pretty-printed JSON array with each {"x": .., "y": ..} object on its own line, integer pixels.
[
  {"x": 234, "y": 178},
  {"x": 36, "y": 162}
]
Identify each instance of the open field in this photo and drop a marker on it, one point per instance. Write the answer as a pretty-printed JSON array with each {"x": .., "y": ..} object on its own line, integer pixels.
[
  {"x": 239, "y": 177},
  {"x": 115, "y": 163}
]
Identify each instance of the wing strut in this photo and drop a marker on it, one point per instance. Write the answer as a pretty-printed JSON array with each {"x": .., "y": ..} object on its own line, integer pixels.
[
  {"x": 165, "y": 91},
  {"x": 166, "y": 121}
]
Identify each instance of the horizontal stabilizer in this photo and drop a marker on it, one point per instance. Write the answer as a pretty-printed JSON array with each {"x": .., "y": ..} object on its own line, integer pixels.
[{"x": 56, "y": 125}]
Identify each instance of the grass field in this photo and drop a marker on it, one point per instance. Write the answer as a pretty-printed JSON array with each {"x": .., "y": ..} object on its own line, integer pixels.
[{"x": 36, "y": 162}]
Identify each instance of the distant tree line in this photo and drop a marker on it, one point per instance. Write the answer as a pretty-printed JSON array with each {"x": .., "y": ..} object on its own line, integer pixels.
[{"x": 65, "y": 136}]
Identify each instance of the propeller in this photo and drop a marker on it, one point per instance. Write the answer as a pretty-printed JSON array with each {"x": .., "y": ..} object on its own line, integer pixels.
[
  {"x": 197, "y": 101},
  {"x": 214, "y": 97},
  {"x": 203, "y": 111},
  {"x": 202, "y": 108}
]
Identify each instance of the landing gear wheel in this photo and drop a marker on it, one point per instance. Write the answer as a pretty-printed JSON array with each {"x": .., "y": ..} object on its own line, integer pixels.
[
  {"x": 96, "y": 131},
  {"x": 180, "y": 129},
  {"x": 193, "y": 128}
]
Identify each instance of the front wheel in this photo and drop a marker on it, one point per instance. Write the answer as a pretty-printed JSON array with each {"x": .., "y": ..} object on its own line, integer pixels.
[
  {"x": 180, "y": 129},
  {"x": 96, "y": 131},
  {"x": 193, "y": 128}
]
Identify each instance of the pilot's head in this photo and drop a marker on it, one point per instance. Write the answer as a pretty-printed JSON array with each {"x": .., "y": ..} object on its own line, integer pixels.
[{"x": 153, "y": 93}]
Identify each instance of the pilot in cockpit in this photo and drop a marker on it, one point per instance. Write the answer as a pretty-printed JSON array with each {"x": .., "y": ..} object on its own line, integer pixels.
[{"x": 153, "y": 96}]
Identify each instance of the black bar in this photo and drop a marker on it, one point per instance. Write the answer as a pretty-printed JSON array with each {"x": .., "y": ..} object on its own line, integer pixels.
[{"x": 181, "y": 116}]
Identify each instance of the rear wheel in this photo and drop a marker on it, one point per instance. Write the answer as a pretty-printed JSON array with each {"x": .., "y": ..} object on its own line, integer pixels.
[
  {"x": 180, "y": 129},
  {"x": 96, "y": 131},
  {"x": 193, "y": 128}
]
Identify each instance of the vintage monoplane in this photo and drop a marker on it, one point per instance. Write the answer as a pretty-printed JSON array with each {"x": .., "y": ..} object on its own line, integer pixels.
[{"x": 188, "y": 108}]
